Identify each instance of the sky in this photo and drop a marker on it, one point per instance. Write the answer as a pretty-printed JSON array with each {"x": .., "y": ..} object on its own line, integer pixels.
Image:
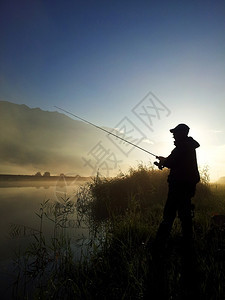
[{"x": 109, "y": 61}]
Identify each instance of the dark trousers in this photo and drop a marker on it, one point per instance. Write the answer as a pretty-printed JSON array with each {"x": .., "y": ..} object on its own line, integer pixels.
[{"x": 178, "y": 200}]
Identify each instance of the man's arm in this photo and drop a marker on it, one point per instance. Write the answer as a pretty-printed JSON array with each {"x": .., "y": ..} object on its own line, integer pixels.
[{"x": 167, "y": 162}]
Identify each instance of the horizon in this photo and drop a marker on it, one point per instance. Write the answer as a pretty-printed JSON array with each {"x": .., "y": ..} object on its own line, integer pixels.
[
  {"x": 131, "y": 161},
  {"x": 164, "y": 142}
]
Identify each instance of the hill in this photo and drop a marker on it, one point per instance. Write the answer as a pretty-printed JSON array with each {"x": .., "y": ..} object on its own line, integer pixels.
[{"x": 34, "y": 140}]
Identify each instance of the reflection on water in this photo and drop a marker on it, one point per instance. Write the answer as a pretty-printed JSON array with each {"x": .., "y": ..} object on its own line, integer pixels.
[{"x": 18, "y": 206}]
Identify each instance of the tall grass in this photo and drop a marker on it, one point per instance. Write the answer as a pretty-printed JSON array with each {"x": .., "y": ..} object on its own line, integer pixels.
[{"x": 118, "y": 261}]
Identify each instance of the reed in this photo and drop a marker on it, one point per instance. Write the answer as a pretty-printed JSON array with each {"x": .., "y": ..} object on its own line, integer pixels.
[{"x": 118, "y": 261}]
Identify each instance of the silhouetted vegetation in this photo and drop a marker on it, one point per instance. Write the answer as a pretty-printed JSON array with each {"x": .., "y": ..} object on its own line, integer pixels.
[
  {"x": 38, "y": 174},
  {"x": 146, "y": 186},
  {"x": 46, "y": 174},
  {"x": 117, "y": 259}
]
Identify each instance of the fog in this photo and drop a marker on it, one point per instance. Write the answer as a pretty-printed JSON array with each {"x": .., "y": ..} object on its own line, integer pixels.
[{"x": 33, "y": 140}]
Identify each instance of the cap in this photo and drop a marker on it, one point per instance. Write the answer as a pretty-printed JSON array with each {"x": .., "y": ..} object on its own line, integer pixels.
[{"x": 180, "y": 128}]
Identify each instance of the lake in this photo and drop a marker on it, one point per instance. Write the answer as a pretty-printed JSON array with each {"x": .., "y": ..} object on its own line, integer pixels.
[{"x": 18, "y": 204}]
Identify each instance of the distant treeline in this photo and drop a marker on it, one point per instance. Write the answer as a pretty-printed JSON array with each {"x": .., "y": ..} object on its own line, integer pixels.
[{"x": 8, "y": 177}]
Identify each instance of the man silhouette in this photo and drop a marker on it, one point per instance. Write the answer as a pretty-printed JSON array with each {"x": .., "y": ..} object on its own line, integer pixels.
[{"x": 182, "y": 181}]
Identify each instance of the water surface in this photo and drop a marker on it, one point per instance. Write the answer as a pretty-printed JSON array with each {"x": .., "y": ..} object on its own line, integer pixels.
[{"x": 18, "y": 206}]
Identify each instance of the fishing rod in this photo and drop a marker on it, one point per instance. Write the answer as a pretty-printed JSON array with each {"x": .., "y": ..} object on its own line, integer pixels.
[{"x": 98, "y": 127}]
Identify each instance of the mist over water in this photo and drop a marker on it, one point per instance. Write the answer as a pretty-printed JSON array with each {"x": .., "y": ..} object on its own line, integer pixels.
[{"x": 18, "y": 208}]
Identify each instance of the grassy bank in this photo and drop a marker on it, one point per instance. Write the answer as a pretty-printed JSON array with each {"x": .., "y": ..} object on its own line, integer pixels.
[{"x": 118, "y": 259}]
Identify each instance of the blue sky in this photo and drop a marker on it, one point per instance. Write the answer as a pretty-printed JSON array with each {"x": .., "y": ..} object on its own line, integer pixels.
[{"x": 98, "y": 59}]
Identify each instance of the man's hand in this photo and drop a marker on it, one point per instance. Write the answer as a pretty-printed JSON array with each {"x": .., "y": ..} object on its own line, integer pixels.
[
  {"x": 161, "y": 159},
  {"x": 161, "y": 162}
]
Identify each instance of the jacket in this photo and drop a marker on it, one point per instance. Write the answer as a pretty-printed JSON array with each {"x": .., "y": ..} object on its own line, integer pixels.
[{"x": 182, "y": 162}]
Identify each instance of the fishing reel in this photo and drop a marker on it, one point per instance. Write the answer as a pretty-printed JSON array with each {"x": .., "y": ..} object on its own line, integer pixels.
[{"x": 160, "y": 163}]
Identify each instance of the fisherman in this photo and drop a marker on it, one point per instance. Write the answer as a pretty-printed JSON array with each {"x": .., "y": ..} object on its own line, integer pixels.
[{"x": 182, "y": 181}]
